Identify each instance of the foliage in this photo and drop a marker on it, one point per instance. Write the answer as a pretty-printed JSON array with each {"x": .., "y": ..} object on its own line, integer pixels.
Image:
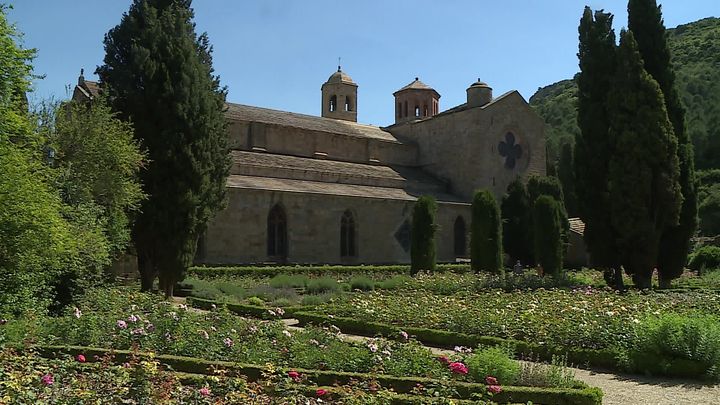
[
  {"x": 557, "y": 105},
  {"x": 705, "y": 258},
  {"x": 158, "y": 72},
  {"x": 593, "y": 146},
  {"x": 515, "y": 209},
  {"x": 566, "y": 175},
  {"x": 643, "y": 170},
  {"x": 494, "y": 362},
  {"x": 645, "y": 21},
  {"x": 362, "y": 283},
  {"x": 710, "y": 214},
  {"x": 99, "y": 161},
  {"x": 422, "y": 249},
  {"x": 289, "y": 281},
  {"x": 677, "y": 345},
  {"x": 322, "y": 285},
  {"x": 548, "y": 233},
  {"x": 486, "y": 234},
  {"x": 340, "y": 271},
  {"x": 547, "y": 185}
]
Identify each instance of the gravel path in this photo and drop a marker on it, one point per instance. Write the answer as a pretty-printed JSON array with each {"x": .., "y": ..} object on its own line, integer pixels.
[{"x": 618, "y": 389}]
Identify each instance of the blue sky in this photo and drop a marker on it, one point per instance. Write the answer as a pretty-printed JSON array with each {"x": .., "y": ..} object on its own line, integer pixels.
[{"x": 277, "y": 54}]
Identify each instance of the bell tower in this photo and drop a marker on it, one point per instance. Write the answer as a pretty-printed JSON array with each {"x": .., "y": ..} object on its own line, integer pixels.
[
  {"x": 416, "y": 101},
  {"x": 339, "y": 97}
]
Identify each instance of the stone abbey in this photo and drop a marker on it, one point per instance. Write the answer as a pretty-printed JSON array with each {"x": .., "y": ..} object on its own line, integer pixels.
[{"x": 309, "y": 189}]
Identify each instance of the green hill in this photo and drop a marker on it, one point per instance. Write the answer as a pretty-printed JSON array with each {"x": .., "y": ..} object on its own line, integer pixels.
[{"x": 695, "y": 49}]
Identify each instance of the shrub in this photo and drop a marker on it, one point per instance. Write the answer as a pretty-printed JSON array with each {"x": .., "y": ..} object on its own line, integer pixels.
[
  {"x": 362, "y": 283},
  {"x": 422, "y": 235},
  {"x": 485, "y": 234},
  {"x": 495, "y": 362},
  {"x": 256, "y": 301},
  {"x": 705, "y": 258},
  {"x": 270, "y": 294},
  {"x": 556, "y": 374},
  {"x": 677, "y": 345},
  {"x": 316, "y": 299},
  {"x": 289, "y": 281},
  {"x": 547, "y": 232},
  {"x": 322, "y": 285},
  {"x": 231, "y": 289},
  {"x": 393, "y": 283}
]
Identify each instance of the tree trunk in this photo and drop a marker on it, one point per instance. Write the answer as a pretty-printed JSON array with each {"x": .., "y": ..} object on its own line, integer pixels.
[
  {"x": 642, "y": 281},
  {"x": 618, "y": 276},
  {"x": 664, "y": 283},
  {"x": 147, "y": 272}
]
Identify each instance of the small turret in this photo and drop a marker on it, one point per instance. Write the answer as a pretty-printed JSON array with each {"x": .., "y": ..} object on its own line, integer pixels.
[
  {"x": 339, "y": 97},
  {"x": 416, "y": 101},
  {"x": 479, "y": 94}
]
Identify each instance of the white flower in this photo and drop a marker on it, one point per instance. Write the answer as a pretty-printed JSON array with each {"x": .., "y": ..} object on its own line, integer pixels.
[
  {"x": 280, "y": 311},
  {"x": 373, "y": 347},
  {"x": 404, "y": 335},
  {"x": 286, "y": 333},
  {"x": 78, "y": 313}
]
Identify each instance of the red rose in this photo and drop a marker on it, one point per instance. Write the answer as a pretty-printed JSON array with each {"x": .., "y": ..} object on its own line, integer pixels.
[
  {"x": 294, "y": 375},
  {"x": 80, "y": 358},
  {"x": 320, "y": 392},
  {"x": 458, "y": 368}
]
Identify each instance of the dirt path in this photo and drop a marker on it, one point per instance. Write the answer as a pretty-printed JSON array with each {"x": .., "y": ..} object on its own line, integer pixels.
[{"x": 618, "y": 389}]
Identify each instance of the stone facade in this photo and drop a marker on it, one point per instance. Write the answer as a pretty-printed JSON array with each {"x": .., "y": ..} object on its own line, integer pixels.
[{"x": 308, "y": 189}]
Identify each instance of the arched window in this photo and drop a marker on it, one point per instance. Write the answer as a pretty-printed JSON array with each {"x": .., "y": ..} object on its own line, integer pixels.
[
  {"x": 333, "y": 103},
  {"x": 460, "y": 237},
  {"x": 348, "y": 240},
  {"x": 348, "y": 104},
  {"x": 277, "y": 233},
  {"x": 406, "y": 110},
  {"x": 417, "y": 110}
]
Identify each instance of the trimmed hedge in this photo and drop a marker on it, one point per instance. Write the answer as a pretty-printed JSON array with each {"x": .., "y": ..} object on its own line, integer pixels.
[
  {"x": 270, "y": 271},
  {"x": 402, "y": 385},
  {"x": 253, "y": 311},
  {"x": 446, "y": 339}
]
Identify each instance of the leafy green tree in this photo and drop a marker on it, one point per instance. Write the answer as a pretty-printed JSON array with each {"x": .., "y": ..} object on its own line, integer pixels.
[
  {"x": 710, "y": 214},
  {"x": 36, "y": 242},
  {"x": 516, "y": 219},
  {"x": 566, "y": 175},
  {"x": 646, "y": 23},
  {"x": 158, "y": 74},
  {"x": 548, "y": 233},
  {"x": 643, "y": 170},
  {"x": 486, "y": 234},
  {"x": 422, "y": 234},
  {"x": 593, "y": 145}
]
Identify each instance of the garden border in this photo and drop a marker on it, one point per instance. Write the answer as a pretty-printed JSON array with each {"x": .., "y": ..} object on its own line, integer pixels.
[
  {"x": 271, "y": 270},
  {"x": 402, "y": 385}
]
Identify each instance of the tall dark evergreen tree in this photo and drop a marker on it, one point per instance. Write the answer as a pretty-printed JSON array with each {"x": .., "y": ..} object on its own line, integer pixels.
[
  {"x": 593, "y": 146},
  {"x": 158, "y": 74},
  {"x": 548, "y": 232},
  {"x": 515, "y": 210},
  {"x": 546, "y": 185},
  {"x": 422, "y": 235},
  {"x": 486, "y": 234},
  {"x": 646, "y": 23},
  {"x": 643, "y": 170},
  {"x": 566, "y": 175}
]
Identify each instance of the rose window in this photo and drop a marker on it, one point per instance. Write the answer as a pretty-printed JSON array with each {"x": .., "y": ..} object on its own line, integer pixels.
[{"x": 510, "y": 150}]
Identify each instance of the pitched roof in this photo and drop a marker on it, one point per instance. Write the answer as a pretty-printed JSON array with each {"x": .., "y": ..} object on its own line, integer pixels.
[
  {"x": 335, "y": 189},
  {"x": 417, "y": 85},
  {"x": 577, "y": 226},
  {"x": 242, "y": 112}
]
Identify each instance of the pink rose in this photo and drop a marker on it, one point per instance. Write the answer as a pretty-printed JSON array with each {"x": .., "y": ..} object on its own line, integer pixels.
[
  {"x": 80, "y": 358},
  {"x": 495, "y": 389},
  {"x": 458, "y": 368},
  {"x": 47, "y": 379},
  {"x": 204, "y": 391},
  {"x": 491, "y": 380},
  {"x": 320, "y": 392},
  {"x": 294, "y": 375}
]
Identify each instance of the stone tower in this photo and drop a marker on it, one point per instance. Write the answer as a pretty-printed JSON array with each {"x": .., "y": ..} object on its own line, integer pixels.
[
  {"x": 339, "y": 97},
  {"x": 479, "y": 94},
  {"x": 416, "y": 101}
]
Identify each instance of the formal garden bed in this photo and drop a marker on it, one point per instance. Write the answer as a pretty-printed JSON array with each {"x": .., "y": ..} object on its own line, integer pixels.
[
  {"x": 665, "y": 332},
  {"x": 183, "y": 340}
]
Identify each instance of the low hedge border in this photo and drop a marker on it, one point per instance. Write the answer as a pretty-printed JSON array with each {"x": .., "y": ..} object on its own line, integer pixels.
[
  {"x": 247, "y": 310},
  {"x": 445, "y": 339},
  {"x": 270, "y": 270},
  {"x": 402, "y": 385}
]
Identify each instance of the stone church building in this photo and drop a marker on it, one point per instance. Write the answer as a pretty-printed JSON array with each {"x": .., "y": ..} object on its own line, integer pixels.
[{"x": 327, "y": 189}]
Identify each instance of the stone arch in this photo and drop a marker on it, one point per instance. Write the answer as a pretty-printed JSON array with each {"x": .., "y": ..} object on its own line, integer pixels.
[
  {"x": 277, "y": 246},
  {"x": 333, "y": 103},
  {"x": 348, "y": 235}
]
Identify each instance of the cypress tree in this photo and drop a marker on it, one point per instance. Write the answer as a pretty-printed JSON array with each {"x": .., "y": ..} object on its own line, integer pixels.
[
  {"x": 646, "y": 23},
  {"x": 643, "y": 170},
  {"x": 422, "y": 235},
  {"x": 593, "y": 146},
  {"x": 515, "y": 209},
  {"x": 566, "y": 175},
  {"x": 548, "y": 230},
  {"x": 486, "y": 234},
  {"x": 158, "y": 74},
  {"x": 550, "y": 186}
]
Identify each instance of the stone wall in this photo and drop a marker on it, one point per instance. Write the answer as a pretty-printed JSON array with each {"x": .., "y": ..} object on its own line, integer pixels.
[
  {"x": 462, "y": 145},
  {"x": 239, "y": 233}
]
